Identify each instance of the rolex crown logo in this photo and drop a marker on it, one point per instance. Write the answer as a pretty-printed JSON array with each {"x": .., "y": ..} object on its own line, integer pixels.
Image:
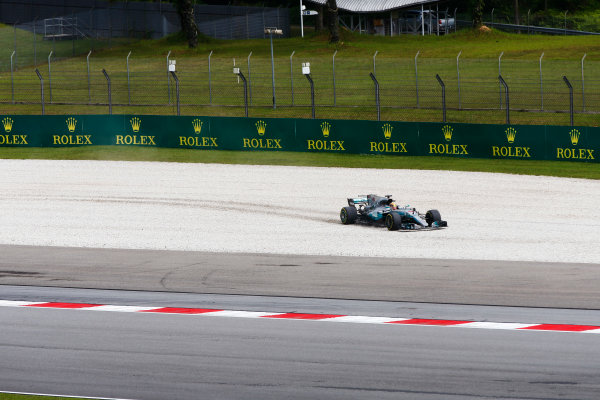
[
  {"x": 8, "y": 124},
  {"x": 71, "y": 124},
  {"x": 135, "y": 124},
  {"x": 511, "y": 134},
  {"x": 325, "y": 128},
  {"x": 387, "y": 130},
  {"x": 261, "y": 127},
  {"x": 447, "y": 131},
  {"x": 574, "y": 135},
  {"x": 197, "y": 126}
]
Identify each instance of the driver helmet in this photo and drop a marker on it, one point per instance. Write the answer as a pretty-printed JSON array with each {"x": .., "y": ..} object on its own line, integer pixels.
[{"x": 393, "y": 205}]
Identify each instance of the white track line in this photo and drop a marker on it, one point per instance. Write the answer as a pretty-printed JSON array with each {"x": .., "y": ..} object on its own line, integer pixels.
[{"x": 63, "y": 396}]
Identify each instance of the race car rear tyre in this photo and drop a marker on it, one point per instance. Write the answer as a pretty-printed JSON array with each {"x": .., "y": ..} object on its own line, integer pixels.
[
  {"x": 348, "y": 215},
  {"x": 393, "y": 222},
  {"x": 432, "y": 216}
]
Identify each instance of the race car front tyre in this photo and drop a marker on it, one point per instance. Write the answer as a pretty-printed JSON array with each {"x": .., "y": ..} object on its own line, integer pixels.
[
  {"x": 432, "y": 216},
  {"x": 393, "y": 221},
  {"x": 348, "y": 215}
]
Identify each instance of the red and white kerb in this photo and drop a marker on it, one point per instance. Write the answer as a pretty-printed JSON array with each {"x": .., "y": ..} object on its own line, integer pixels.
[{"x": 308, "y": 317}]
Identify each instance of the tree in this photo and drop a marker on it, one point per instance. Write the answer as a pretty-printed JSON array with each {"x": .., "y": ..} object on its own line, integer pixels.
[
  {"x": 185, "y": 9},
  {"x": 332, "y": 20},
  {"x": 517, "y": 19},
  {"x": 478, "y": 14}
]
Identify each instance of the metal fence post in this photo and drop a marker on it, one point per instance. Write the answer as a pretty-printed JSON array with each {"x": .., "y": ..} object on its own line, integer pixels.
[
  {"x": 176, "y": 90},
  {"x": 128, "y": 83},
  {"x": 583, "y": 83},
  {"x": 570, "y": 97},
  {"x": 441, "y": 82},
  {"x": 88, "y": 77},
  {"x": 500, "y": 73},
  {"x": 376, "y": 96},
  {"x": 209, "y": 80},
  {"x": 458, "y": 74},
  {"x": 437, "y": 23},
  {"x": 292, "y": 76},
  {"x": 241, "y": 75},
  {"x": 12, "y": 79},
  {"x": 455, "y": 20},
  {"x": 249, "y": 75},
  {"x": 312, "y": 94},
  {"x": 417, "y": 77},
  {"x": 37, "y": 71},
  {"x": 507, "y": 100},
  {"x": 109, "y": 91},
  {"x": 301, "y": 20},
  {"x": 272, "y": 69},
  {"x": 333, "y": 72},
  {"x": 34, "y": 43},
  {"x": 168, "y": 78},
  {"x": 422, "y": 21},
  {"x": 374, "y": 65},
  {"x": 50, "y": 75},
  {"x": 15, "y": 39},
  {"x": 446, "y": 22},
  {"x": 541, "y": 84}
]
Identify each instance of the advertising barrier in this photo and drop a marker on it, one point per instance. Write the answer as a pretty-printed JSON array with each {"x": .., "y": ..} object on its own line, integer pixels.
[{"x": 528, "y": 142}]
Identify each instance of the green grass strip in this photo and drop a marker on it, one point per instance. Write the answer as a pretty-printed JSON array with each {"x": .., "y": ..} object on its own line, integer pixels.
[
  {"x": 543, "y": 168},
  {"x": 11, "y": 396}
]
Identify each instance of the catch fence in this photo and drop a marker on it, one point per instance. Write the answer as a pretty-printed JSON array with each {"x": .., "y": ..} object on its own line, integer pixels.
[
  {"x": 343, "y": 88},
  {"x": 71, "y": 27}
]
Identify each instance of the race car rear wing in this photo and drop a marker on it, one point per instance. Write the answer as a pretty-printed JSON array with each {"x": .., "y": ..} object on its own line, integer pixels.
[{"x": 357, "y": 200}]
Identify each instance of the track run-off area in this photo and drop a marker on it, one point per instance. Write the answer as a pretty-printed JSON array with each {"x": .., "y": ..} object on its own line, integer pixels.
[
  {"x": 223, "y": 281},
  {"x": 294, "y": 210}
]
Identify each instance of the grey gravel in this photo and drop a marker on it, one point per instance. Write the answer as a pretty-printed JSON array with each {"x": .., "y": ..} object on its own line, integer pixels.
[{"x": 294, "y": 210}]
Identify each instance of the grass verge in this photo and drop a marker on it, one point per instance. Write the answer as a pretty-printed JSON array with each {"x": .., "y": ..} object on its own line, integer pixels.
[
  {"x": 10, "y": 396},
  {"x": 535, "y": 98},
  {"x": 543, "y": 168}
]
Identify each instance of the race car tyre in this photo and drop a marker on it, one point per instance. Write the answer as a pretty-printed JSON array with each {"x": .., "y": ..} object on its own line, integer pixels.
[
  {"x": 432, "y": 216},
  {"x": 348, "y": 215},
  {"x": 393, "y": 222}
]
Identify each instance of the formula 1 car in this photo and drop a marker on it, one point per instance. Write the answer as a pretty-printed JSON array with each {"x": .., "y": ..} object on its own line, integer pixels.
[{"x": 373, "y": 208}]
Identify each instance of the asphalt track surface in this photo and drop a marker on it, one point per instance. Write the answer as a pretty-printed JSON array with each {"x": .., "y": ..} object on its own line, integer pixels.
[
  {"x": 152, "y": 356},
  {"x": 159, "y": 357},
  {"x": 500, "y": 283}
]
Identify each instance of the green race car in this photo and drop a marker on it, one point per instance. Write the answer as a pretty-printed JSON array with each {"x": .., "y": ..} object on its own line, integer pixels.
[{"x": 383, "y": 209}]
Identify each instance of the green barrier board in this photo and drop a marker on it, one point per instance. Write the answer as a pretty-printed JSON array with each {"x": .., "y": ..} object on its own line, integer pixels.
[{"x": 305, "y": 135}]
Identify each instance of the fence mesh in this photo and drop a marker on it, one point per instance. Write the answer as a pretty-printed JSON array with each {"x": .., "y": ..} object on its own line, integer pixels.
[{"x": 408, "y": 87}]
